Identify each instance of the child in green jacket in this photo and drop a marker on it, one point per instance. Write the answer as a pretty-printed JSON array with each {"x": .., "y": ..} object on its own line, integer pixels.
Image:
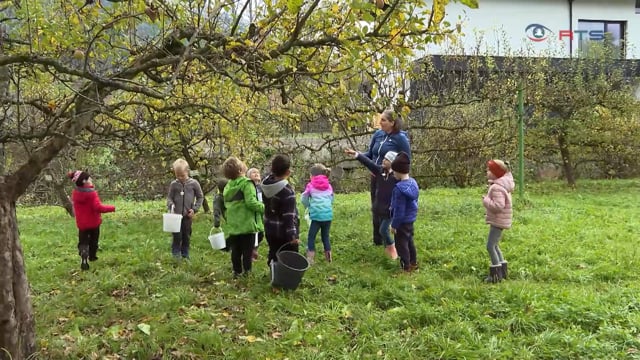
[{"x": 244, "y": 213}]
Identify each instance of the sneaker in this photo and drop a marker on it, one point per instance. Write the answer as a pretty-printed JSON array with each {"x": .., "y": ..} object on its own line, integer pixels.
[
  {"x": 84, "y": 265},
  {"x": 413, "y": 267},
  {"x": 255, "y": 255},
  {"x": 93, "y": 258},
  {"x": 391, "y": 252},
  {"x": 327, "y": 255}
]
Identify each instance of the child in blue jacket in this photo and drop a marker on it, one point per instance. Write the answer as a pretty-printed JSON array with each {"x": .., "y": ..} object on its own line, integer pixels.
[
  {"x": 318, "y": 198},
  {"x": 404, "y": 210}
]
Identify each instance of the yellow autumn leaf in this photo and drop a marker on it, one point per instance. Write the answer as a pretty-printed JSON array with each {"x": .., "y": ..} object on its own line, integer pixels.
[
  {"x": 437, "y": 13},
  {"x": 251, "y": 338}
]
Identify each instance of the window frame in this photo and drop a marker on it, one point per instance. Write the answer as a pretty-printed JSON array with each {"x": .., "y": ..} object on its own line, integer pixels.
[{"x": 606, "y": 23}]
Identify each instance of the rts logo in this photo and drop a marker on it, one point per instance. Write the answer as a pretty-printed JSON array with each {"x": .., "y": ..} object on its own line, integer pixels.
[{"x": 539, "y": 33}]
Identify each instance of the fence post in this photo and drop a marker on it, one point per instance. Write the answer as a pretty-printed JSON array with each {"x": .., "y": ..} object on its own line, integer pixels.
[{"x": 520, "y": 140}]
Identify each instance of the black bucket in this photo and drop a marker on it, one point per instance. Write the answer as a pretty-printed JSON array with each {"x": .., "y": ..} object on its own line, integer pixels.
[{"x": 287, "y": 272}]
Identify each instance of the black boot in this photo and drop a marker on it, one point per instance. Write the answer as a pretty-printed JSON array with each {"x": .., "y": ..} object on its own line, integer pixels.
[
  {"x": 505, "y": 272},
  {"x": 495, "y": 274},
  {"x": 84, "y": 254}
]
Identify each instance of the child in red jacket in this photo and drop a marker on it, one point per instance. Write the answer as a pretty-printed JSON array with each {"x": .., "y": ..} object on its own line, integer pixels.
[{"x": 87, "y": 209}]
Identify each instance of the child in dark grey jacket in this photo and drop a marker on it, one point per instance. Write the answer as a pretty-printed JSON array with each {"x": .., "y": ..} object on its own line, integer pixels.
[
  {"x": 185, "y": 197},
  {"x": 281, "y": 221}
]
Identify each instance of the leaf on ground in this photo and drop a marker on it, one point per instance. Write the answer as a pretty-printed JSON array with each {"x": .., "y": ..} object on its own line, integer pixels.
[
  {"x": 145, "y": 328},
  {"x": 251, "y": 338}
]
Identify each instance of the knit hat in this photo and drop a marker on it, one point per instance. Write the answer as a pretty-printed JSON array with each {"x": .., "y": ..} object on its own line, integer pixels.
[
  {"x": 390, "y": 155},
  {"x": 401, "y": 164},
  {"x": 319, "y": 169},
  {"x": 79, "y": 177},
  {"x": 497, "y": 168}
]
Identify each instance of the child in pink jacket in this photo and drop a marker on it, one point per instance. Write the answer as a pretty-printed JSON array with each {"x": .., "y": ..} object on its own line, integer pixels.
[{"x": 497, "y": 202}]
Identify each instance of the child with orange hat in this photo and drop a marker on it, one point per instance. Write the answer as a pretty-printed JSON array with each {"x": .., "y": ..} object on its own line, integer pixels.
[{"x": 497, "y": 203}]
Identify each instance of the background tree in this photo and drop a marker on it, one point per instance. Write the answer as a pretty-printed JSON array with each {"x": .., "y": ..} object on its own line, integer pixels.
[
  {"x": 579, "y": 104},
  {"x": 580, "y": 116}
]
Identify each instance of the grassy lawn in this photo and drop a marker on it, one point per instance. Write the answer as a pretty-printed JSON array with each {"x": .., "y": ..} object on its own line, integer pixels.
[{"x": 573, "y": 292}]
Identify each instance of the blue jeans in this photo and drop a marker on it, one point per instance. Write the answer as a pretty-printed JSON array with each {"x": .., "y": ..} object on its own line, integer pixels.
[
  {"x": 493, "y": 245},
  {"x": 385, "y": 232},
  {"x": 324, "y": 227}
]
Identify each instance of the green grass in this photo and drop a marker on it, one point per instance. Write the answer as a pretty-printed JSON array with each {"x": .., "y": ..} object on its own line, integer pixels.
[{"x": 573, "y": 292}]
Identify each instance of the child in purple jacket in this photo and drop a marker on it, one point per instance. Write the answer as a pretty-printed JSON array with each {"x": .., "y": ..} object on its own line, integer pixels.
[{"x": 384, "y": 184}]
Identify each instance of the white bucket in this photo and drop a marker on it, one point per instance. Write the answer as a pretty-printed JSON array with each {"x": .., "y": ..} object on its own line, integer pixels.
[
  {"x": 171, "y": 222},
  {"x": 217, "y": 239}
]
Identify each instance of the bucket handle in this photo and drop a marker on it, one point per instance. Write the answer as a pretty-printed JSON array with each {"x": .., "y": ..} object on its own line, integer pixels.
[
  {"x": 285, "y": 244},
  {"x": 214, "y": 228}
]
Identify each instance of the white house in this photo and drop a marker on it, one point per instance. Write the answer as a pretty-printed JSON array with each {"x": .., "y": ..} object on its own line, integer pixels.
[{"x": 558, "y": 28}]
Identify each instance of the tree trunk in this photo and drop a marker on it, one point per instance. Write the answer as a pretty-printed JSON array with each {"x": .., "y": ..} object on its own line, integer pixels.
[
  {"x": 17, "y": 325},
  {"x": 567, "y": 164},
  {"x": 5, "y": 78},
  {"x": 63, "y": 197}
]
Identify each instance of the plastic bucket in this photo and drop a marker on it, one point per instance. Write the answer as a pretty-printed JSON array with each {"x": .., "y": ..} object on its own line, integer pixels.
[
  {"x": 287, "y": 272},
  {"x": 217, "y": 239},
  {"x": 171, "y": 222}
]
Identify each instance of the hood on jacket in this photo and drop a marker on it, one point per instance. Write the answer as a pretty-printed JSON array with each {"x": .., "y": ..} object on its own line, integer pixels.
[
  {"x": 506, "y": 181},
  {"x": 271, "y": 186},
  {"x": 79, "y": 194},
  {"x": 409, "y": 188},
  {"x": 233, "y": 189},
  {"x": 320, "y": 182}
]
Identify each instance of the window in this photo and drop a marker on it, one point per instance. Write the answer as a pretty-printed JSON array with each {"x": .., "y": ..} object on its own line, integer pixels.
[{"x": 601, "y": 36}]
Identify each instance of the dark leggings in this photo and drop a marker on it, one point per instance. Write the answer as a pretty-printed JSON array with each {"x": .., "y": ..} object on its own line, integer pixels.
[
  {"x": 405, "y": 246},
  {"x": 182, "y": 240},
  {"x": 88, "y": 241},
  {"x": 241, "y": 251}
]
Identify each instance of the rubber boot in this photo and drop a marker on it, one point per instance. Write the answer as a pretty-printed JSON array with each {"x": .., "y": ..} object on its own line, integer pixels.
[
  {"x": 310, "y": 256},
  {"x": 505, "y": 272},
  {"x": 495, "y": 274},
  {"x": 84, "y": 255},
  {"x": 391, "y": 251},
  {"x": 327, "y": 256}
]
